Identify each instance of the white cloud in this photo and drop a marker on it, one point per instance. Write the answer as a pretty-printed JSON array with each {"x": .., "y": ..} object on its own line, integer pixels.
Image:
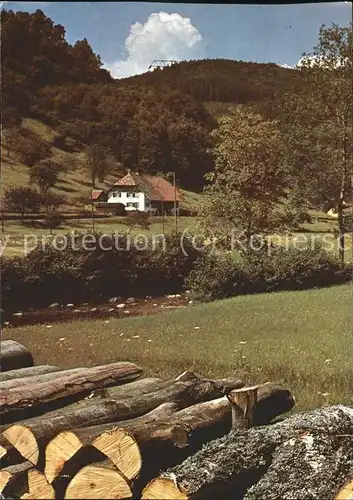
[
  {"x": 162, "y": 36},
  {"x": 287, "y": 66},
  {"x": 314, "y": 60}
]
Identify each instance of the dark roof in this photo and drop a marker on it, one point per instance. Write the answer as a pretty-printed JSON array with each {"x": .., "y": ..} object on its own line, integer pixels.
[{"x": 155, "y": 187}]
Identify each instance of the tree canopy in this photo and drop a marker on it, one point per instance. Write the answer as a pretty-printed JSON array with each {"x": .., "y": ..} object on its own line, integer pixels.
[{"x": 317, "y": 124}]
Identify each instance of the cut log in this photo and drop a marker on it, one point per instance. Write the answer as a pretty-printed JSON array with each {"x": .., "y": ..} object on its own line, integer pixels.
[
  {"x": 22, "y": 481},
  {"x": 9, "y": 455},
  {"x": 37, "y": 379},
  {"x": 14, "y": 479},
  {"x": 346, "y": 492},
  {"x": 229, "y": 466},
  {"x": 3, "y": 451},
  {"x": 101, "y": 480},
  {"x": 160, "y": 441},
  {"x": 67, "y": 444},
  {"x": 38, "y": 488},
  {"x": 14, "y": 355},
  {"x": 38, "y": 397},
  {"x": 243, "y": 403},
  {"x": 66, "y": 454},
  {"x": 31, "y": 435},
  {"x": 27, "y": 372}
]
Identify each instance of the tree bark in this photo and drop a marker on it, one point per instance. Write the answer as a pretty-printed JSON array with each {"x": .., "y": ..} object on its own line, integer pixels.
[
  {"x": 315, "y": 465},
  {"x": 341, "y": 232},
  {"x": 14, "y": 355},
  {"x": 136, "y": 389},
  {"x": 37, "y": 398},
  {"x": 147, "y": 385},
  {"x": 36, "y": 379},
  {"x": 27, "y": 372},
  {"x": 31, "y": 435},
  {"x": 346, "y": 492},
  {"x": 228, "y": 467}
]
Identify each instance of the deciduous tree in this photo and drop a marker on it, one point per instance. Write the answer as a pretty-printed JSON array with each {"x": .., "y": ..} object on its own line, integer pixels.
[
  {"x": 246, "y": 194},
  {"x": 45, "y": 175},
  {"x": 317, "y": 124},
  {"x": 23, "y": 199}
]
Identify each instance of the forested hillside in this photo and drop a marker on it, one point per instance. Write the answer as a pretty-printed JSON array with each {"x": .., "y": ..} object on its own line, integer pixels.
[
  {"x": 157, "y": 122},
  {"x": 223, "y": 80}
]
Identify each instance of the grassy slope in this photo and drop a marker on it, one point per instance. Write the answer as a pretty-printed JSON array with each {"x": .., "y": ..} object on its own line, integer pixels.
[
  {"x": 298, "y": 338},
  {"x": 77, "y": 182}
]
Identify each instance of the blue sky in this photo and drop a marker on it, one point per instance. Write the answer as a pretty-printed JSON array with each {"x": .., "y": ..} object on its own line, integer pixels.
[{"x": 129, "y": 36}]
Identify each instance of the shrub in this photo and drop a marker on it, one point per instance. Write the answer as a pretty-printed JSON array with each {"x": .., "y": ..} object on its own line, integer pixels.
[
  {"x": 215, "y": 276},
  {"x": 52, "y": 220},
  {"x": 292, "y": 269},
  {"x": 77, "y": 274}
]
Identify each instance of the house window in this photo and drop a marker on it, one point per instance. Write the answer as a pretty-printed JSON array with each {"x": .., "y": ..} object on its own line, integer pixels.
[
  {"x": 135, "y": 205},
  {"x": 115, "y": 194}
]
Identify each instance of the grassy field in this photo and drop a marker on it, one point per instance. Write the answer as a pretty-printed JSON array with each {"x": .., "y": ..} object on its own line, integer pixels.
[
  {"x": 301, "y": 339},
  {"x": 16, "y": 232}
]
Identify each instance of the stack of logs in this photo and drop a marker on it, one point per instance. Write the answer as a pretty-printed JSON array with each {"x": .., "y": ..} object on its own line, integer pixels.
[{"x": 105, "y": 432}]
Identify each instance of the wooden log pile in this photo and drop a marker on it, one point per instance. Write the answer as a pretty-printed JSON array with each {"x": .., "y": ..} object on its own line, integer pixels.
[{"x": 107, "y": 432}]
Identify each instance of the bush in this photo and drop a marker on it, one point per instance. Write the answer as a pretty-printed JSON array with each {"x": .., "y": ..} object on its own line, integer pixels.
[
  {"x": 76, "y": 275},
  {"x": 216, "y": 276},
  {"x": 292, "y": 269},
  {"x": 53, "y": 220}
]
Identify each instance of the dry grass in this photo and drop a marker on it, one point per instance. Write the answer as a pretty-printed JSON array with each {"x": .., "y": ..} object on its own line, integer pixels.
[
  {"x": 77, "y": 181},
  {"x": 302, "y": 339}
]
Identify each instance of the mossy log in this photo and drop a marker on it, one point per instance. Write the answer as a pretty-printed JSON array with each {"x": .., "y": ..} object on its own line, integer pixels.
[
  {"x": 228, "y": 467},
  {"x": 314, "y": 465}
]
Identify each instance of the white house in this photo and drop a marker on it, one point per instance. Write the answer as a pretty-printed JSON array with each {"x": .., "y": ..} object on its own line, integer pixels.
[{"x": 145, "y": 193}]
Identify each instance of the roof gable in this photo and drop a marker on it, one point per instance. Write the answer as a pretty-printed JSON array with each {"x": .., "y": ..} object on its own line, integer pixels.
[{"x": 155, "y": 188}]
